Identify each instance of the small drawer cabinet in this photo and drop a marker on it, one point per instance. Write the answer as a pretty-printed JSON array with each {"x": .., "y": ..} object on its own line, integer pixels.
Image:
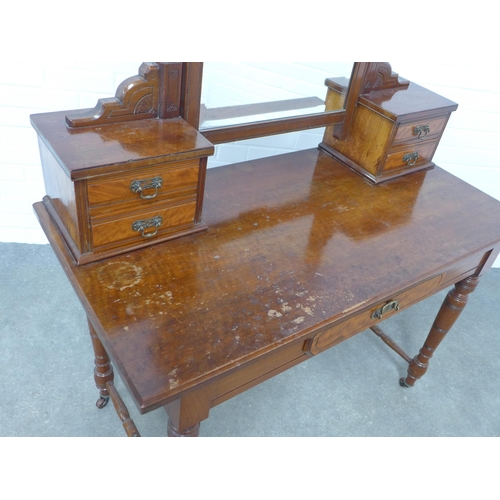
[
  {"x": 117, "y": 187},
  {"x": 393, "y": 131}
]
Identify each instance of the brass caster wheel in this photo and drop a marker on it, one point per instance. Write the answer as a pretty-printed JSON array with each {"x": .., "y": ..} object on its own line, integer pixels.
[
  {"x": 402, "y": 382},
  {"x": 102, "y": 402}
]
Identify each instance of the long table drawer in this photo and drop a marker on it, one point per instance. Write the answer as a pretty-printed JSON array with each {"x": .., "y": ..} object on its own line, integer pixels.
[{"x": 361, "y": 321}]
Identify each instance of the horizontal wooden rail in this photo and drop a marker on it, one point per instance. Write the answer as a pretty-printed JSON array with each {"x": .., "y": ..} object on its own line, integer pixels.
[
  {"x": 122, "y": 411},
  {"x": 388, "y": 341},
  {"x": 232, "y": 133}
]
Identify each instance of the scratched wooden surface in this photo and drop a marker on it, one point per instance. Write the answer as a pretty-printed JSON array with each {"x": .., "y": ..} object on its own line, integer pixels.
[{"x": 295, "y": 242}]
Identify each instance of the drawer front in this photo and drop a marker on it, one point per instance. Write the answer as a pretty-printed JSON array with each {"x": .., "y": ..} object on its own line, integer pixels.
[
  {"x": 410, "y": 155},
  {"x": 362, "y": 321},
  {"x": 421, "y": 130},
  {"x": 141, "y": 226},
  {"x": 145, "y": 185}
]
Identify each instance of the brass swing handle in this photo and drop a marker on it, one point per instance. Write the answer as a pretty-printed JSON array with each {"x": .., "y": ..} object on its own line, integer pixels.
[
  {"x": 411, "y": 158},
  {"x": 141, "y": 226},
  {"x": 392, "y": 305},
  {"x": 146, "y": 185},
  {"x": 421, "y": 131}
]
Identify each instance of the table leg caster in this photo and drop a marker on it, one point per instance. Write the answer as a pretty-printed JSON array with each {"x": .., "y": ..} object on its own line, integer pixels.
[
  {"x": 102, "y": 402},
  {"x": 402, "y": 382}
]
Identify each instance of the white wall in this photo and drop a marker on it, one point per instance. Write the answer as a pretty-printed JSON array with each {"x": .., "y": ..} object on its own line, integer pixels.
[
  {"x": 36, "y": 88},
  {"x": 246, "y": 83},
  {"x": 470, "y": 147}
]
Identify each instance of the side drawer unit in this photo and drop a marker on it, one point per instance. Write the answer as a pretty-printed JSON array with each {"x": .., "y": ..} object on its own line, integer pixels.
[
  {"x": 393, "y": 132},
  {"x": 118, "y": 187}
]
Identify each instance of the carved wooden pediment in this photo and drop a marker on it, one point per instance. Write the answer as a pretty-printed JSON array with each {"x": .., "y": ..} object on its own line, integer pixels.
[
  {"x": 380, "y": 76},
  {"x": 154, "y": 92}
]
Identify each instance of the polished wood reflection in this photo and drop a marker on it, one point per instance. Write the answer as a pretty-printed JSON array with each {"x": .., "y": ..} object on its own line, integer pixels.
[{"x": 297, "y": 244}]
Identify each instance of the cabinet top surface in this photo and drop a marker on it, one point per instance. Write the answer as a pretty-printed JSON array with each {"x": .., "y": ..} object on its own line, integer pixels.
[
  {"x": 407, "y": 101},
  {"x": 294, "y": 243},
  {"x": 83, "y": 150}
]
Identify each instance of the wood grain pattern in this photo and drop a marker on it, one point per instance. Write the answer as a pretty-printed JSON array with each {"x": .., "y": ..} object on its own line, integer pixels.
[
  {"x": 383, "y": 125},
  {"x": 368, "y": 142},
  {"x": 119, "y": 229},
  {"x": 295, "y": 244},
  {"x": 88, "y": 173},
  {"x": 116, "y": 188},
  {"x": 406, "y": 133},
  {"x": 362, "y": 321},
  {"x": 61, "y": 192},
  {"x": 412, "y": 103},
  {"x": 396, "y": 155},
  {"x": 118, "y": 147},
  {"x": 301, "y": 252}
]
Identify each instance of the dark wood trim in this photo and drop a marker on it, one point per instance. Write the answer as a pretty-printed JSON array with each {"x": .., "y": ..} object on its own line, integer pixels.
[
  {"x": 366, "y": 77},
  {"x": 272, "y": 127},
  {"x": 136, "y": 98},
  {"x": 192, "y": 76},
  {"x": 201, "y": 189},
  {"x": 170, "y": 74},
  {"x": 360, "y": 72}
]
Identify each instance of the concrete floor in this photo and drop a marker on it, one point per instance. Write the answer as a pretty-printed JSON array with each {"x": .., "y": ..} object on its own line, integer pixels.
[{"x": 47, "y": 388}]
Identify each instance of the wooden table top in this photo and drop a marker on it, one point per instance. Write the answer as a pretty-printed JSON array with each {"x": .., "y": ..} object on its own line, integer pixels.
[{"x": 295, "y": 242}]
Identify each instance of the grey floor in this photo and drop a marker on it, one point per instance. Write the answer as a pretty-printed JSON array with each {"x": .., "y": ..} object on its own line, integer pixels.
[{"x": 47, "y": 388}]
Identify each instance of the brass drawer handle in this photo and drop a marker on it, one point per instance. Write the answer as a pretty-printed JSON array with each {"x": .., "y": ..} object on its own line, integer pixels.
[
  {"x": 421, "y": 131},
  {"x": 142, "y": 225},
  {"x": 146, "y": 184},
  {"x": 411, "y": 158},
  {"x": 393, "y": 305}
]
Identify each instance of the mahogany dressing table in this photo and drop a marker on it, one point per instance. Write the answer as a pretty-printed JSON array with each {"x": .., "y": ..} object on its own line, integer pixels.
[{"x": 274, "y": 261}]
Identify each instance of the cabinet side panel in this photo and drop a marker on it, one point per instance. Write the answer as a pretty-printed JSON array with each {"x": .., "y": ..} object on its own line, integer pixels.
[
  {"x": 334, "y": 100},
  {"x": 61, "y": 192},
  {"x": 368, "y": 139}
]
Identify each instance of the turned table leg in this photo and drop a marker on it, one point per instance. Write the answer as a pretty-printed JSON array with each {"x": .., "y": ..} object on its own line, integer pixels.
[
  {"x": 452, "y": 306},
  {"x": 186, "y": 413},
  {"x": 103, "y": 371}
]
